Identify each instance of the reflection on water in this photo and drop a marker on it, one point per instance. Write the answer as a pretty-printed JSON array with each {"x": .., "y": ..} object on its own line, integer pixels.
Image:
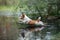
[
  {"x": 30, "y": 36},
  {"x": 35, "y": 36},
  {"x": 48, "y": 36}
]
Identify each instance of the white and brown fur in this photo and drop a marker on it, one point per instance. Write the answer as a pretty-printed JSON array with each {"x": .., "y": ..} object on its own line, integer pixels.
[{"x": 23, "y": 18}]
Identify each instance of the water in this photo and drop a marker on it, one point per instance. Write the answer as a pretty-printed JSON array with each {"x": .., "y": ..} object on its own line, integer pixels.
[
  {"x": 48, "y": 36},
  {"x": 30, "y": 36}
]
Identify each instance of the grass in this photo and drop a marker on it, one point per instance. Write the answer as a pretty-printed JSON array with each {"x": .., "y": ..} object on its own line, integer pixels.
[{"x": 10, "y": 8}]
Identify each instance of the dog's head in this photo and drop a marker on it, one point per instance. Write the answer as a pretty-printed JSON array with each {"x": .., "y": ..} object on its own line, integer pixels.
[{"x": 22, "y": 16}]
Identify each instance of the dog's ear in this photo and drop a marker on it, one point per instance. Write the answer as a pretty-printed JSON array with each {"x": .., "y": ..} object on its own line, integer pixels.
[{"x": 23, "y": 15}]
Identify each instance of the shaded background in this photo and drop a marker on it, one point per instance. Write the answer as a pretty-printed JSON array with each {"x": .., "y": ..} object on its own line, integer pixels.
[{"x": 10, "y": 10}]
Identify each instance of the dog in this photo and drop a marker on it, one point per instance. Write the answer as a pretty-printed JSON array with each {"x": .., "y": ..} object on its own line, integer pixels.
[{"x": 25, "y": 19}]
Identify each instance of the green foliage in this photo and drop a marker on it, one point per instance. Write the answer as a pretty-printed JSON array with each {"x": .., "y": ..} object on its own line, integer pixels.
[{"x": 32, "y": 8}]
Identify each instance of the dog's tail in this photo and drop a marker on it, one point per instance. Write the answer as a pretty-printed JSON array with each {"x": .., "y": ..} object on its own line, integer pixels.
[{"x": 39, "y": 18}]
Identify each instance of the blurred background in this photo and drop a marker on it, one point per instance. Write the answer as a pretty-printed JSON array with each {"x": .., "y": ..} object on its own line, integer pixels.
[{"x": 10, "y": 10}]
